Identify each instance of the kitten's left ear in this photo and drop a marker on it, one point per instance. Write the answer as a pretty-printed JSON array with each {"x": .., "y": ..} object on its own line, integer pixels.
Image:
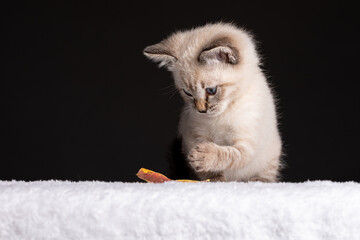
[
  {"x": 160, "y": 53},
  {"x": 219, "y": 51}
]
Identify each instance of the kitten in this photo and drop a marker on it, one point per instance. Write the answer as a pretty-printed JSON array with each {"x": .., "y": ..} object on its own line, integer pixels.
[{"x": 228, "y": 125}]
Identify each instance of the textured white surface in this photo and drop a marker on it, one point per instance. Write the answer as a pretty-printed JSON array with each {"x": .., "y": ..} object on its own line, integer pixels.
[{"x": 98, "y": 210}]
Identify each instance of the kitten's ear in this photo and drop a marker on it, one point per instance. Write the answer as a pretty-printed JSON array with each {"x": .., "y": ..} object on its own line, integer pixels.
[
  {"x": 219, "y": 51},
  {"x": 160, "y": 53}
]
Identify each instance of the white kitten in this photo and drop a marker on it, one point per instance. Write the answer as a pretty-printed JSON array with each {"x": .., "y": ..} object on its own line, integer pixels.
[{"x": 228, "y": 125}]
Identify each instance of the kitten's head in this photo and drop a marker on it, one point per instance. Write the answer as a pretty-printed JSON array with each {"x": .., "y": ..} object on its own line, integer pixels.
[{"x": 208, "y": 64}]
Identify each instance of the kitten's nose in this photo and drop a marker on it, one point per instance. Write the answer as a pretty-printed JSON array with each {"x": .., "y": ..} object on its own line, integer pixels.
[{"x": 200, "y": 105}]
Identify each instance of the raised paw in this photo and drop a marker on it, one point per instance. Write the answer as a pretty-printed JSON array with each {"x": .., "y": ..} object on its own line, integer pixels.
[{"x": 203, "y": 157}]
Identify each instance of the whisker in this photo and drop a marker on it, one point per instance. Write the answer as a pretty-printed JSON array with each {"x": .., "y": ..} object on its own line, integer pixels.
[
  {"x": 173, "y": 94},
  {"x": 167, "y": 87},
  {"x": 171, "y": 89}
]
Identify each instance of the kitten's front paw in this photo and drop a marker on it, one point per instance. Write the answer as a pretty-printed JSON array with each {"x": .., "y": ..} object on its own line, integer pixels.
[{"x": 203, "y": 157}]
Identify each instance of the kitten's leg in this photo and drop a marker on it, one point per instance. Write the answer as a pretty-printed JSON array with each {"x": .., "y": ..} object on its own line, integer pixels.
[
  {"x": 210, "y": 157},
  {"x": 260, "y": 179},
  {"x": 214, "y": 177},
  {"x": 269, "y": 174}
]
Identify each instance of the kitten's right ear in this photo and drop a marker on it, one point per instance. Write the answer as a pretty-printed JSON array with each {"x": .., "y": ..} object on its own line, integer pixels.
[
  {"x": 219, "y": 51},
  {"x": 160, "y": 53}
]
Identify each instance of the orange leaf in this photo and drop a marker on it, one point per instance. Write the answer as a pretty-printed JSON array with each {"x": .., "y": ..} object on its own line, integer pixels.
[
  {"x": 151, "y": 176},
  {"x": 154, "y": 177}
]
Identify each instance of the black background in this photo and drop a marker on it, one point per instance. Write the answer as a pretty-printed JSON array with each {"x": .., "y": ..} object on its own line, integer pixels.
[{"x": 79, "y": 101}]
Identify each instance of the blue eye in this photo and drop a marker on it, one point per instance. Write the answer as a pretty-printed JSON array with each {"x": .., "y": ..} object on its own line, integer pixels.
[
  {"x": 211, "y": 91},
  {"x": 187, "y": 93}
]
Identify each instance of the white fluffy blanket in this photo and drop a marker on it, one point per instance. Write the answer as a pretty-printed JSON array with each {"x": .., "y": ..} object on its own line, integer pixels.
[{"x": 99, "y": 210}]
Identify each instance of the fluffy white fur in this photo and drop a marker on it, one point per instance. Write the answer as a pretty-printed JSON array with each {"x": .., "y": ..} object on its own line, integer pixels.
[
  {"x": 233, "y": 134},
  {"x": 185, "y": 211}
]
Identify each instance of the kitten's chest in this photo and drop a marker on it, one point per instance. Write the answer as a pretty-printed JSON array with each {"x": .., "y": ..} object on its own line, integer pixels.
[{"x": 221, "y": 134}]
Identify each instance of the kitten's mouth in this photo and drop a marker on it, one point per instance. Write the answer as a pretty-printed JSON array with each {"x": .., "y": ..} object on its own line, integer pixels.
[{"x": 209, "y": 111}]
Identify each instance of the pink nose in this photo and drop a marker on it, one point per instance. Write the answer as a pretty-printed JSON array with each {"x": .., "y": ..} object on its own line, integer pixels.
[{"x": 201, "y": 105}]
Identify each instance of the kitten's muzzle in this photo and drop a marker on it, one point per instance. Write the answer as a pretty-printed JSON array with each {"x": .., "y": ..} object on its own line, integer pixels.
[{"x": 201, "y": 105}]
